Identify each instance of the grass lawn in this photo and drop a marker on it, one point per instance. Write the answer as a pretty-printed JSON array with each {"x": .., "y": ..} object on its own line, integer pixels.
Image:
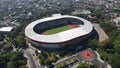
[{"x": 57, "y": 30}]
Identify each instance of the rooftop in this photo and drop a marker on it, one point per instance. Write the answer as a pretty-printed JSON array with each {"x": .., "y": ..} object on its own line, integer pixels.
[
  {"x": 61, "y": 36},
  {"x": 6, "y": 29}
]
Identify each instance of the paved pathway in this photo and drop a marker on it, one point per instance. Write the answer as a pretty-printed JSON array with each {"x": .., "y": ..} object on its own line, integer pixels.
[
  {"x": 30, "y": 60},
  {"x": 102, "y": 35},
  {"x": 64, "y": 59}
]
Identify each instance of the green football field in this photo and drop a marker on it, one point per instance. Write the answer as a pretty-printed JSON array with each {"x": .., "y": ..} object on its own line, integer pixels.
[{"x": 57, "y": 30}]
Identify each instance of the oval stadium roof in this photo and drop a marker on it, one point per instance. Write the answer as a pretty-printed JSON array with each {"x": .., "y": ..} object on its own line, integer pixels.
[{"x": 61, "y": 36}]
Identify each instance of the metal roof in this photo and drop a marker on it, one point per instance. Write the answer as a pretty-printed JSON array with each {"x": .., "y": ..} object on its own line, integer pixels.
[{"x": 61, "y": 36}]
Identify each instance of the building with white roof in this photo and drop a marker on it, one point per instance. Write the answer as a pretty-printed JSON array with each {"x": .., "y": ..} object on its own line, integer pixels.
[
  {"x": 6, "y": 29},
  {"x": 60, "y": 39}
]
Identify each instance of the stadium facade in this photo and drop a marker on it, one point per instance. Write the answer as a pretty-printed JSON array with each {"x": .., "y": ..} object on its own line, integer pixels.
[{"x": 34, "y": 31}]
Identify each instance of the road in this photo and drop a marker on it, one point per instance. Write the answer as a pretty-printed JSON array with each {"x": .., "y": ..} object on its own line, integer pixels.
[
  {"x": 102, "y": 35},
  {"x": 102, "y": 63},
  {"x": 64, "y": 59},
  {"x": 31, "y": 62}
]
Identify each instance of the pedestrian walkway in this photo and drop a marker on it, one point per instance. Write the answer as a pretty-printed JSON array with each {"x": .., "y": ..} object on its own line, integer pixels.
[{"x": 102, "y": 35}]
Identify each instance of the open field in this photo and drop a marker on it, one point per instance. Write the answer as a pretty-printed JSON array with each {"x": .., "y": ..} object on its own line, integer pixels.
[{"x": 59, "y": 29}]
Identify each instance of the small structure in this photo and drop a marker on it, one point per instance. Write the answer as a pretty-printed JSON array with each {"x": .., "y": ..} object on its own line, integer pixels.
[
  {"x": 117, "y": 21},
  {"x": 15, "y": 23},
  {"x": 81, "y": 11}
]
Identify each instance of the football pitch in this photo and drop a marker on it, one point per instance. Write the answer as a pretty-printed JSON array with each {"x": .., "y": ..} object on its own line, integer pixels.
[{"x": 57, "y": 30}]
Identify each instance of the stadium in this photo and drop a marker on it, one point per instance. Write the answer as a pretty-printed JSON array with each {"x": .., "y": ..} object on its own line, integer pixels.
[{"x": 58, "y": 31}]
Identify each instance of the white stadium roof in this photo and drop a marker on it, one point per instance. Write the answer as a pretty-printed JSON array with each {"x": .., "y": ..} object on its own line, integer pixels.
[{"x": 61, "y": 36}]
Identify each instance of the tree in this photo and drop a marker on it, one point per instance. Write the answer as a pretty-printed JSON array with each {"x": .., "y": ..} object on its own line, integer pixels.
[
  {"x": 104, "y": 56},
  {"x": 82, "y": 65},
  {"x": 114, "y": 60},
  {"x": 10, "y": 64},
  {"x": 20, "y": 41},
  {"x": 117, "y": 45},
  {"x": 93, "y": 43},
  {"x": 117, "y": 48},
  {"x": 59, "y": 66},
  {"x": 3, "y": 60},
  {"x": 7, "y": 48},
  {"x": 93, "y": 66},
  {"x": 17, "y": 58},
  {"x": 46, "y": 62},
  {"x": 22, "y": 62},
  {"x": 104, "y": 44},
  {"x": 13, "y": 57}
]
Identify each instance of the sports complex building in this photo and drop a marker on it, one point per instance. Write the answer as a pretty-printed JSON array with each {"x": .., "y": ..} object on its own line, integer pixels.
[{"x": 57, "y": 31}]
